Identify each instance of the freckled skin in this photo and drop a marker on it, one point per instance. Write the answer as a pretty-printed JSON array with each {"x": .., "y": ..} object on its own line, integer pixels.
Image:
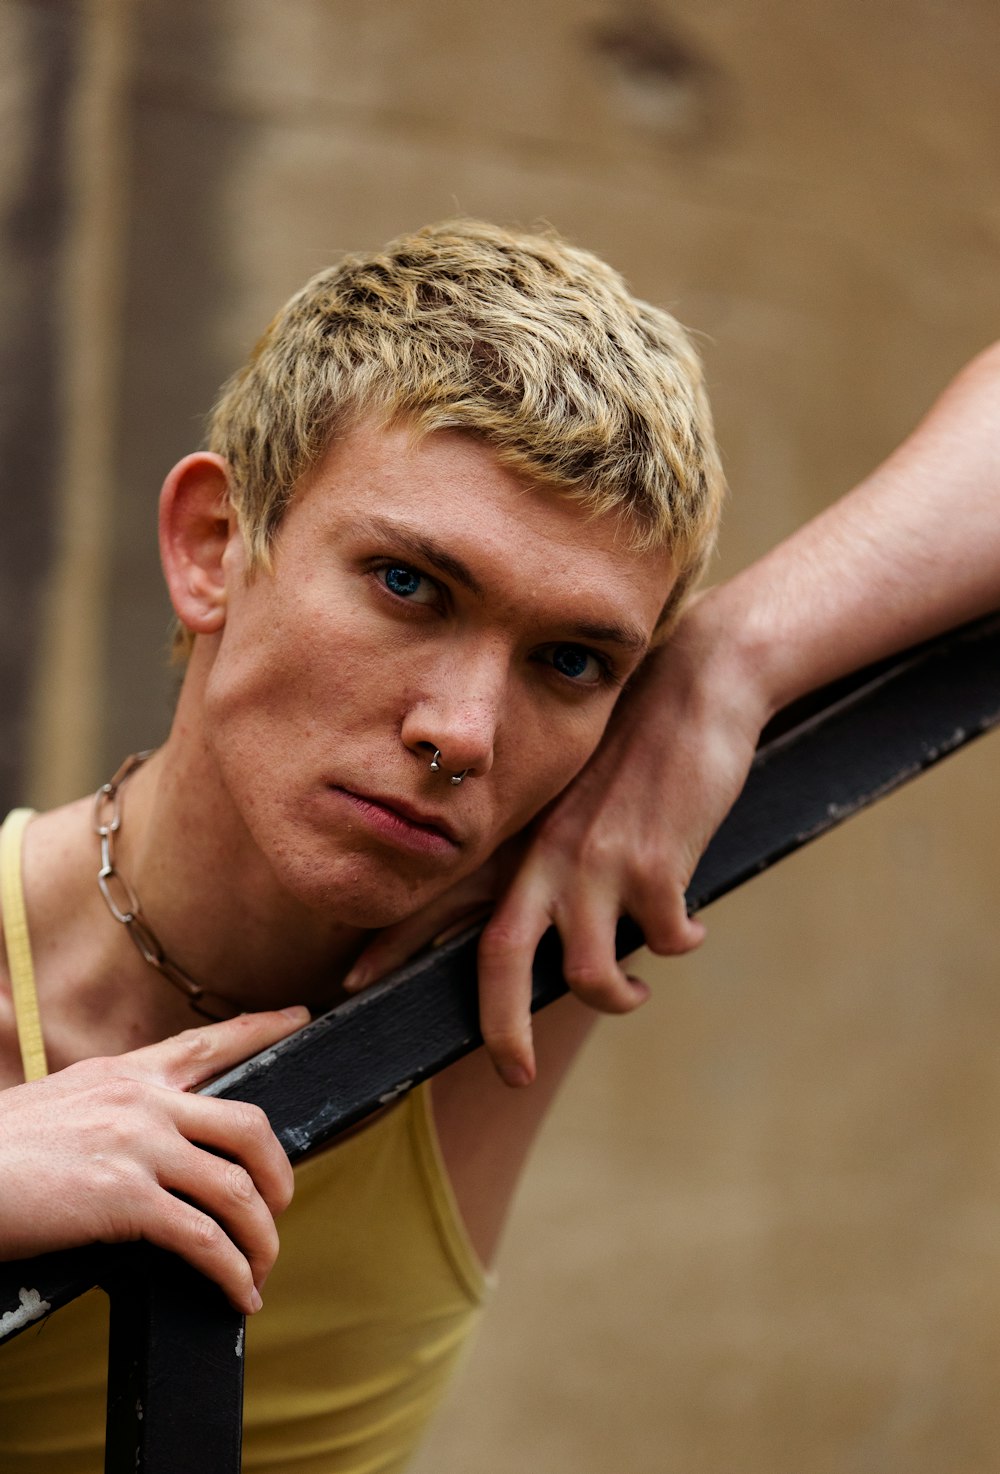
[{"x": 324, "y": 679}]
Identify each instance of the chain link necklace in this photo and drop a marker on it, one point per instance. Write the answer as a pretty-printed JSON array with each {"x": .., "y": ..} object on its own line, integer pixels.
[{"x": 123, "y": 903}]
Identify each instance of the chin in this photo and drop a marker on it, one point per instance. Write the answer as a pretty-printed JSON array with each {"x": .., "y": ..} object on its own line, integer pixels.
[{"x": 360, "y": 894}]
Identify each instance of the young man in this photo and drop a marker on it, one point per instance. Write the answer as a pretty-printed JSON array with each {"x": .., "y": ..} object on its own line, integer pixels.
[{"x": 448, "y": 506}]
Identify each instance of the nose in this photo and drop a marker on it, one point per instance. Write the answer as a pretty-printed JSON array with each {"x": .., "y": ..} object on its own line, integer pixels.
[{"x": 457, "y": 716}]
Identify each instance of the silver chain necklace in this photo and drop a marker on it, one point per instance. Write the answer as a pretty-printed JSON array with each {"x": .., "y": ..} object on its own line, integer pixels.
[{"x": 125, "y": 907}]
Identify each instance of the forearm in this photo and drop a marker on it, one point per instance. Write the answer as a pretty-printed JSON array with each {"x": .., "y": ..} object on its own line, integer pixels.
[{"x": 913, "y": 550}]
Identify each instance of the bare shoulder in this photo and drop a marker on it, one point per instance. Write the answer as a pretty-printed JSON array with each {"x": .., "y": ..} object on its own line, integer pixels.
[
  {"x": 53, "y": 866},
  {"x": 47, "y": 860},
  {"x": 486, "y": 1129}
]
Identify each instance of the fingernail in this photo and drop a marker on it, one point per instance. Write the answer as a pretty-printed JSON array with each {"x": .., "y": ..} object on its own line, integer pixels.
[
  {"x": 298, "y": 1012},
  {"x": 513, "y": 1074},
  {"x": 356, "y": 978},
  {"x": 255, "y": 1301}
]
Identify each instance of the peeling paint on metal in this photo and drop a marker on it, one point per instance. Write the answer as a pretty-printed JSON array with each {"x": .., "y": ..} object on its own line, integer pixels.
[
  {"x": 32, "y": 1307},
  {"x": 239, "y": 1339},
  {"x": 295, "y": 1140},
  {"x": 391, "y": 1095}
]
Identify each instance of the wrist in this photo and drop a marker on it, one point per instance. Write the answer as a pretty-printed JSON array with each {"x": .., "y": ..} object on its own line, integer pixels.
[
  {"x": 735, "y": 651},
  {"x": 715, "y": 666}
]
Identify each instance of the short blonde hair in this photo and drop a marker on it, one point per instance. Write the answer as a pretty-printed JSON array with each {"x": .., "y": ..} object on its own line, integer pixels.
[{"x": 530, "y": 344}]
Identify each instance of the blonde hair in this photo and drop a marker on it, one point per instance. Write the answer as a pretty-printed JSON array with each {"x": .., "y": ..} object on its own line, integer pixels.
[{"x": 530, "y": 344}]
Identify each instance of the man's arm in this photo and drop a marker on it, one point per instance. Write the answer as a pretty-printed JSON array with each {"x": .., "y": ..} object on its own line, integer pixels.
[{"x": 913, "y": 550}]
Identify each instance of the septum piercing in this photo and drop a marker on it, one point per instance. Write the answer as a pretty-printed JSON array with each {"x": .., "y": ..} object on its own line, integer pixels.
[{"x": 456, "y": 778}]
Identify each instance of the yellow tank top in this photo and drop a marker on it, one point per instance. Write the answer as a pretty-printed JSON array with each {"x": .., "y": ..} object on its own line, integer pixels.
[{"x": 367, "y": 1312}]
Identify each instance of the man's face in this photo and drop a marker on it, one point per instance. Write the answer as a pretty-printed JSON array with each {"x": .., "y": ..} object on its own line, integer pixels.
[{"x": 422, "y": 598}]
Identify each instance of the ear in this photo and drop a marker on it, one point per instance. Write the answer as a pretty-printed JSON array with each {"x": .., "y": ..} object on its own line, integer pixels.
[{"x": 197, "y": 525}]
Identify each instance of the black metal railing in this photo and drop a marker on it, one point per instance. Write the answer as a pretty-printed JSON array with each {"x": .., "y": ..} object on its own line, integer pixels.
[{"x": 175, "y": 1373}]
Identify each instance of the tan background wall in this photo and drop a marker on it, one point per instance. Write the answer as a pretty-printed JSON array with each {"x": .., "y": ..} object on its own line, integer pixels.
[{"x": 763, "y": 1233}]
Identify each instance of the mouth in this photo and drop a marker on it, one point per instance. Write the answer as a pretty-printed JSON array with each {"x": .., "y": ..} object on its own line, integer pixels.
[{"x": 402, "y": 822}]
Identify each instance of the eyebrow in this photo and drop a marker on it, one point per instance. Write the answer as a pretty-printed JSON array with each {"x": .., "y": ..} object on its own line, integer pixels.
[
  {"x": 626, "y": 635},
  {"x": 425, "y": 549}
]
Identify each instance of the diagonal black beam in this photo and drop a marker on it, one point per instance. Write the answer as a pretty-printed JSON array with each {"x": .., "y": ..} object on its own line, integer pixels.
[{"x": 821, "y": 762}]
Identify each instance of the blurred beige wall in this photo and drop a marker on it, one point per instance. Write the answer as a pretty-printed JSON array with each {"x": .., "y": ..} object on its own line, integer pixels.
[{"x": 762, "y": 1235}]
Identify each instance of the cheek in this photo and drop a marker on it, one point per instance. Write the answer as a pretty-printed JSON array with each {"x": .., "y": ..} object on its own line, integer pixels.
[
  {"x": 540, "y": 770},
  {"x": 299, "y": 664}
]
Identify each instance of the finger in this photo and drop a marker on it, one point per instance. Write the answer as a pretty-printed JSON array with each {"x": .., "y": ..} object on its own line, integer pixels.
[
  {"x": 397, "y": 944},
  {"x": 241, "y": 1132},
  {"x": 225, "y": 1190},
  {"x": 666, "y": 927},
  {"x": 184, "y": 1229},
  {"x": 506, "y": 953},
  {"x": 459, "y": 924},
  {"x": 590, "y": 966},
  {"x": 197, "y": 1055}
]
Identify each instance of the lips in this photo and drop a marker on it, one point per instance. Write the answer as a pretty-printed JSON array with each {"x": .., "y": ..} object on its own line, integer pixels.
[{"x": 424, "y": 821}]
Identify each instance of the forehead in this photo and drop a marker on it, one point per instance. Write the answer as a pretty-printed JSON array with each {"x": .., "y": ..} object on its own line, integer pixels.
[{"x": 445, "y": 495}]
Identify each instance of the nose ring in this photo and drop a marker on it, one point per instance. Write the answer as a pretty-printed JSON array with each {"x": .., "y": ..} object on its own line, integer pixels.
[{"x": 456, "y": 778}]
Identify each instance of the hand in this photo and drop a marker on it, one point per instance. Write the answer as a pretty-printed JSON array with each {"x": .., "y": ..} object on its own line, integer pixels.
[
  {"x": 623, "y": 839},
  {"x": 100, "y": 1151}
]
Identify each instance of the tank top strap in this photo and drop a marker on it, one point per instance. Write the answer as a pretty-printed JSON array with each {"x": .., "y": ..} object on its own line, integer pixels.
[{"x": 19, "y": 963}]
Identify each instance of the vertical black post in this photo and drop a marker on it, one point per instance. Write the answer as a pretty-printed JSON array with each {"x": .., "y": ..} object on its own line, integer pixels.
[{"x": 175, "y": 1370}]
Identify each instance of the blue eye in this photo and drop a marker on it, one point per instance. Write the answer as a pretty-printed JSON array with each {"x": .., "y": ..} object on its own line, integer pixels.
[
  {"x": 407, "y": 583},
  {"x": 402, "y": 581},
  {"x": 577, "y": 663}
]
